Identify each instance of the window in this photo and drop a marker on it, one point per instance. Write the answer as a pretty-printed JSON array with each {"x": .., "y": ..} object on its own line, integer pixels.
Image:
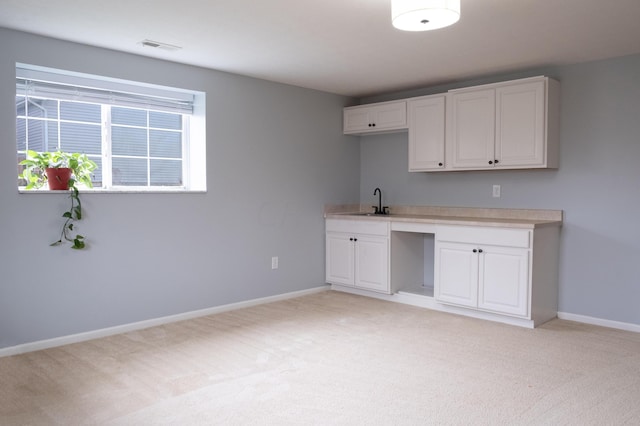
[{"x": 143, "y": 137}]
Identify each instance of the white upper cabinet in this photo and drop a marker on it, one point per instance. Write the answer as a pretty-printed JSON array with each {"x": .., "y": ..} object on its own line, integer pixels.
[
  {"x": 507, "y": 125},
  {"x": 520, "y": 125},
  {"x": 426, "y": 120},
  {"x": 380, "y": 117},
  {"x": 472, "y": 136}
]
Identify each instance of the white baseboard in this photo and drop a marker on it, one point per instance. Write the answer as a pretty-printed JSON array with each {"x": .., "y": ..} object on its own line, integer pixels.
[
  {"x": 110, "y": 331},
  {"x": 429, "y": 303},
  {"x": 599, "y": 321}
]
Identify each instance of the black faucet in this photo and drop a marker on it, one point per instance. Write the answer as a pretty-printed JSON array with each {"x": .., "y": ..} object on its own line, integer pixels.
[{"x": 379, "y": 209}]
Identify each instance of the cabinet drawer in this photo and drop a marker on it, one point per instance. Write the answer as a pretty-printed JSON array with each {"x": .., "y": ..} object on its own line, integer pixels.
[
  {"x": 491, "y": 236},
  {"x": 368, "y": 227}
]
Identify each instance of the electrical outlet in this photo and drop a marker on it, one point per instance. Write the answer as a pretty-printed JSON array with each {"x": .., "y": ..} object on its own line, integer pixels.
[
  {"x": 496, "y": 191},
  {"x": 274, "y": 262}
]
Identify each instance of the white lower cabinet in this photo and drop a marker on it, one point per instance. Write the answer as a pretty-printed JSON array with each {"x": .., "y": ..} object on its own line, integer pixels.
[
  {"x": 502, "y": 273},
  {"x": 357, "y": 254},
  {"x": 456, "y": 274},
  {"x": 503, "y": 284},
  {"x": 487, "y": 269}
]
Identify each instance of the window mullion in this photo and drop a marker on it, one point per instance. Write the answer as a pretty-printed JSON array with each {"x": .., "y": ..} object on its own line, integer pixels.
[
  {"x": 107, "y": 177},
  {"x": 186, "y": 162},
  {"x": 148, "y": 151}
]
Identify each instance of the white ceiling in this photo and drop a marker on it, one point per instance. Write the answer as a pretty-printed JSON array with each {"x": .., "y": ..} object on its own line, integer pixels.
[{"x": 342, "y": 46}]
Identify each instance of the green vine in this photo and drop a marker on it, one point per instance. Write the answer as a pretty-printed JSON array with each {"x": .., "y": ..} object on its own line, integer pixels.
[{"x": 73, "y": 214}]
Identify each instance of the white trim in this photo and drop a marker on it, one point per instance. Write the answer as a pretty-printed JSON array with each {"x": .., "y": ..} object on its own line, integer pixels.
[
  {"x": 429, "y": 302},
  {"x": 110, "y": 331},
  {"x": 599, "y": 321}
]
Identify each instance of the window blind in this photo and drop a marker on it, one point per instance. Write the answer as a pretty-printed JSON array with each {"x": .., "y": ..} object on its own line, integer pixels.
[{"x": 76, "y": 87}]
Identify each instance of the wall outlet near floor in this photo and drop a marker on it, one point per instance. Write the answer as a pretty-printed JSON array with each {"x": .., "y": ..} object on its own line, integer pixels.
[
  {"x": 274, "y": 262},
  {"x": 496, "y": 191}
]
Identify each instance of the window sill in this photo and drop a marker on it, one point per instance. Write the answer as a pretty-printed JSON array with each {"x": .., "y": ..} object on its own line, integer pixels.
[{"x": 22, "y": 190}]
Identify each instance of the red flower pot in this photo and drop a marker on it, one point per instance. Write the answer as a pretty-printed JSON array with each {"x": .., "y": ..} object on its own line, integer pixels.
[{"x": 58, "y": 178}]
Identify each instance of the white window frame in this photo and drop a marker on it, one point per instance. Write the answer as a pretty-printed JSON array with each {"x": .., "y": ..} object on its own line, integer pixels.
[{"x": 193, "y": 130}]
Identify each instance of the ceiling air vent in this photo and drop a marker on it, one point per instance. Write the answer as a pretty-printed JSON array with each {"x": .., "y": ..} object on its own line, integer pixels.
[{"x": 159, "y": 45}]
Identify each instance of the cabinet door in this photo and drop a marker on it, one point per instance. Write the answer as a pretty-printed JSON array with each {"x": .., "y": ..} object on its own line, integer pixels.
[
  {"x": 503, "y": 280},
  {"x": 372, "y": 118},
  {"x": 392, "y": 115},
  {"x": 456, "y": 274},
  {"x": 426, "y": 123},
  {"x": 356, "y": 120},
  {"x": 340, "y": 259},
  {"x": 472, "y": 136},
  {"x": 520, "y": 125},
  {"x": 372, "y": 263}
]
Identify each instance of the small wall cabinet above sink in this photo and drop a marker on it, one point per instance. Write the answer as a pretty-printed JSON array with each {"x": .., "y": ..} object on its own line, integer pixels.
[{"x": 375, "y": 118}]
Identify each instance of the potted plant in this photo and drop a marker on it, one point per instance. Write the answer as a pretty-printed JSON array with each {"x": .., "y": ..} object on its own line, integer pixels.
[{"x": 61, "y": 170}]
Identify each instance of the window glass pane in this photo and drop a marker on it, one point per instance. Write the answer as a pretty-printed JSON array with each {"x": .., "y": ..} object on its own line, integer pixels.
[
  {"x": 128, "y": 141},
  {"x": 78, "y": 111},
  {"x": 166, "y": 172},
  {"x": 43, "y": 135},
  {"x": 21, "y": 134},
  {"x": 129, "y": 171},
  {"x": 165, "y": 144},
  {"x": 43, "y": 108},
  {"x": 85, "y": 138},
  {"x": 21, "y": 182},
  {"x": 129, "y": 116},
  {"x": 163, "y": 120},
  {"x": 21, "y": 108},
  {"x": 96, "y": 177}
]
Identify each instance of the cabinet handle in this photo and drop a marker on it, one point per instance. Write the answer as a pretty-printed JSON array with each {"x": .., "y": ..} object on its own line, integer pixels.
[
  {"x": 496, "y": 161},
  {"x": 350, "y": 239},
  {"x": 475, "y": 251},
  {"x": 479, "y": 250},
  {"x": 490, "y": 162},
  {"x": 355, "y": 239},
  {"x": 440, "y": 164}
]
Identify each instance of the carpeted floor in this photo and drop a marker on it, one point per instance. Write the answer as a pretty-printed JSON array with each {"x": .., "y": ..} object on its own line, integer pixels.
[{"x": 331, "y": 359}]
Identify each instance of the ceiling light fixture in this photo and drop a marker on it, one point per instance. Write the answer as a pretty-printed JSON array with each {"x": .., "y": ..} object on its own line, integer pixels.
[{"x": 423, "y": 15}]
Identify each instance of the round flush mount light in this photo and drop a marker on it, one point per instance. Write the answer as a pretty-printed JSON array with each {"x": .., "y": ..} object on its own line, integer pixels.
[{"x": 424, "y": 15}]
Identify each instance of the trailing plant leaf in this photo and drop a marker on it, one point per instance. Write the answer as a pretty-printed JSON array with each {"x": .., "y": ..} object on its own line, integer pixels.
[{"x": 78, "y": 243}]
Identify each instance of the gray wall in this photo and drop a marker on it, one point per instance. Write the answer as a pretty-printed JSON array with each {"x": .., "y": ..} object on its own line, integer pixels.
[
  {"x": 597, "y": 183},
  {"x": 275, "y": 156}
]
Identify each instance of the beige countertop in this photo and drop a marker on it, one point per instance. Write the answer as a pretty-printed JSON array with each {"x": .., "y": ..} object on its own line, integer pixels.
[{"x": 511, "y": 218}]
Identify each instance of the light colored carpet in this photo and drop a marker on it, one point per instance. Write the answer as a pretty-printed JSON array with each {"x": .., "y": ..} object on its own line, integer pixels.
[{"x": 331, "y": 359}]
